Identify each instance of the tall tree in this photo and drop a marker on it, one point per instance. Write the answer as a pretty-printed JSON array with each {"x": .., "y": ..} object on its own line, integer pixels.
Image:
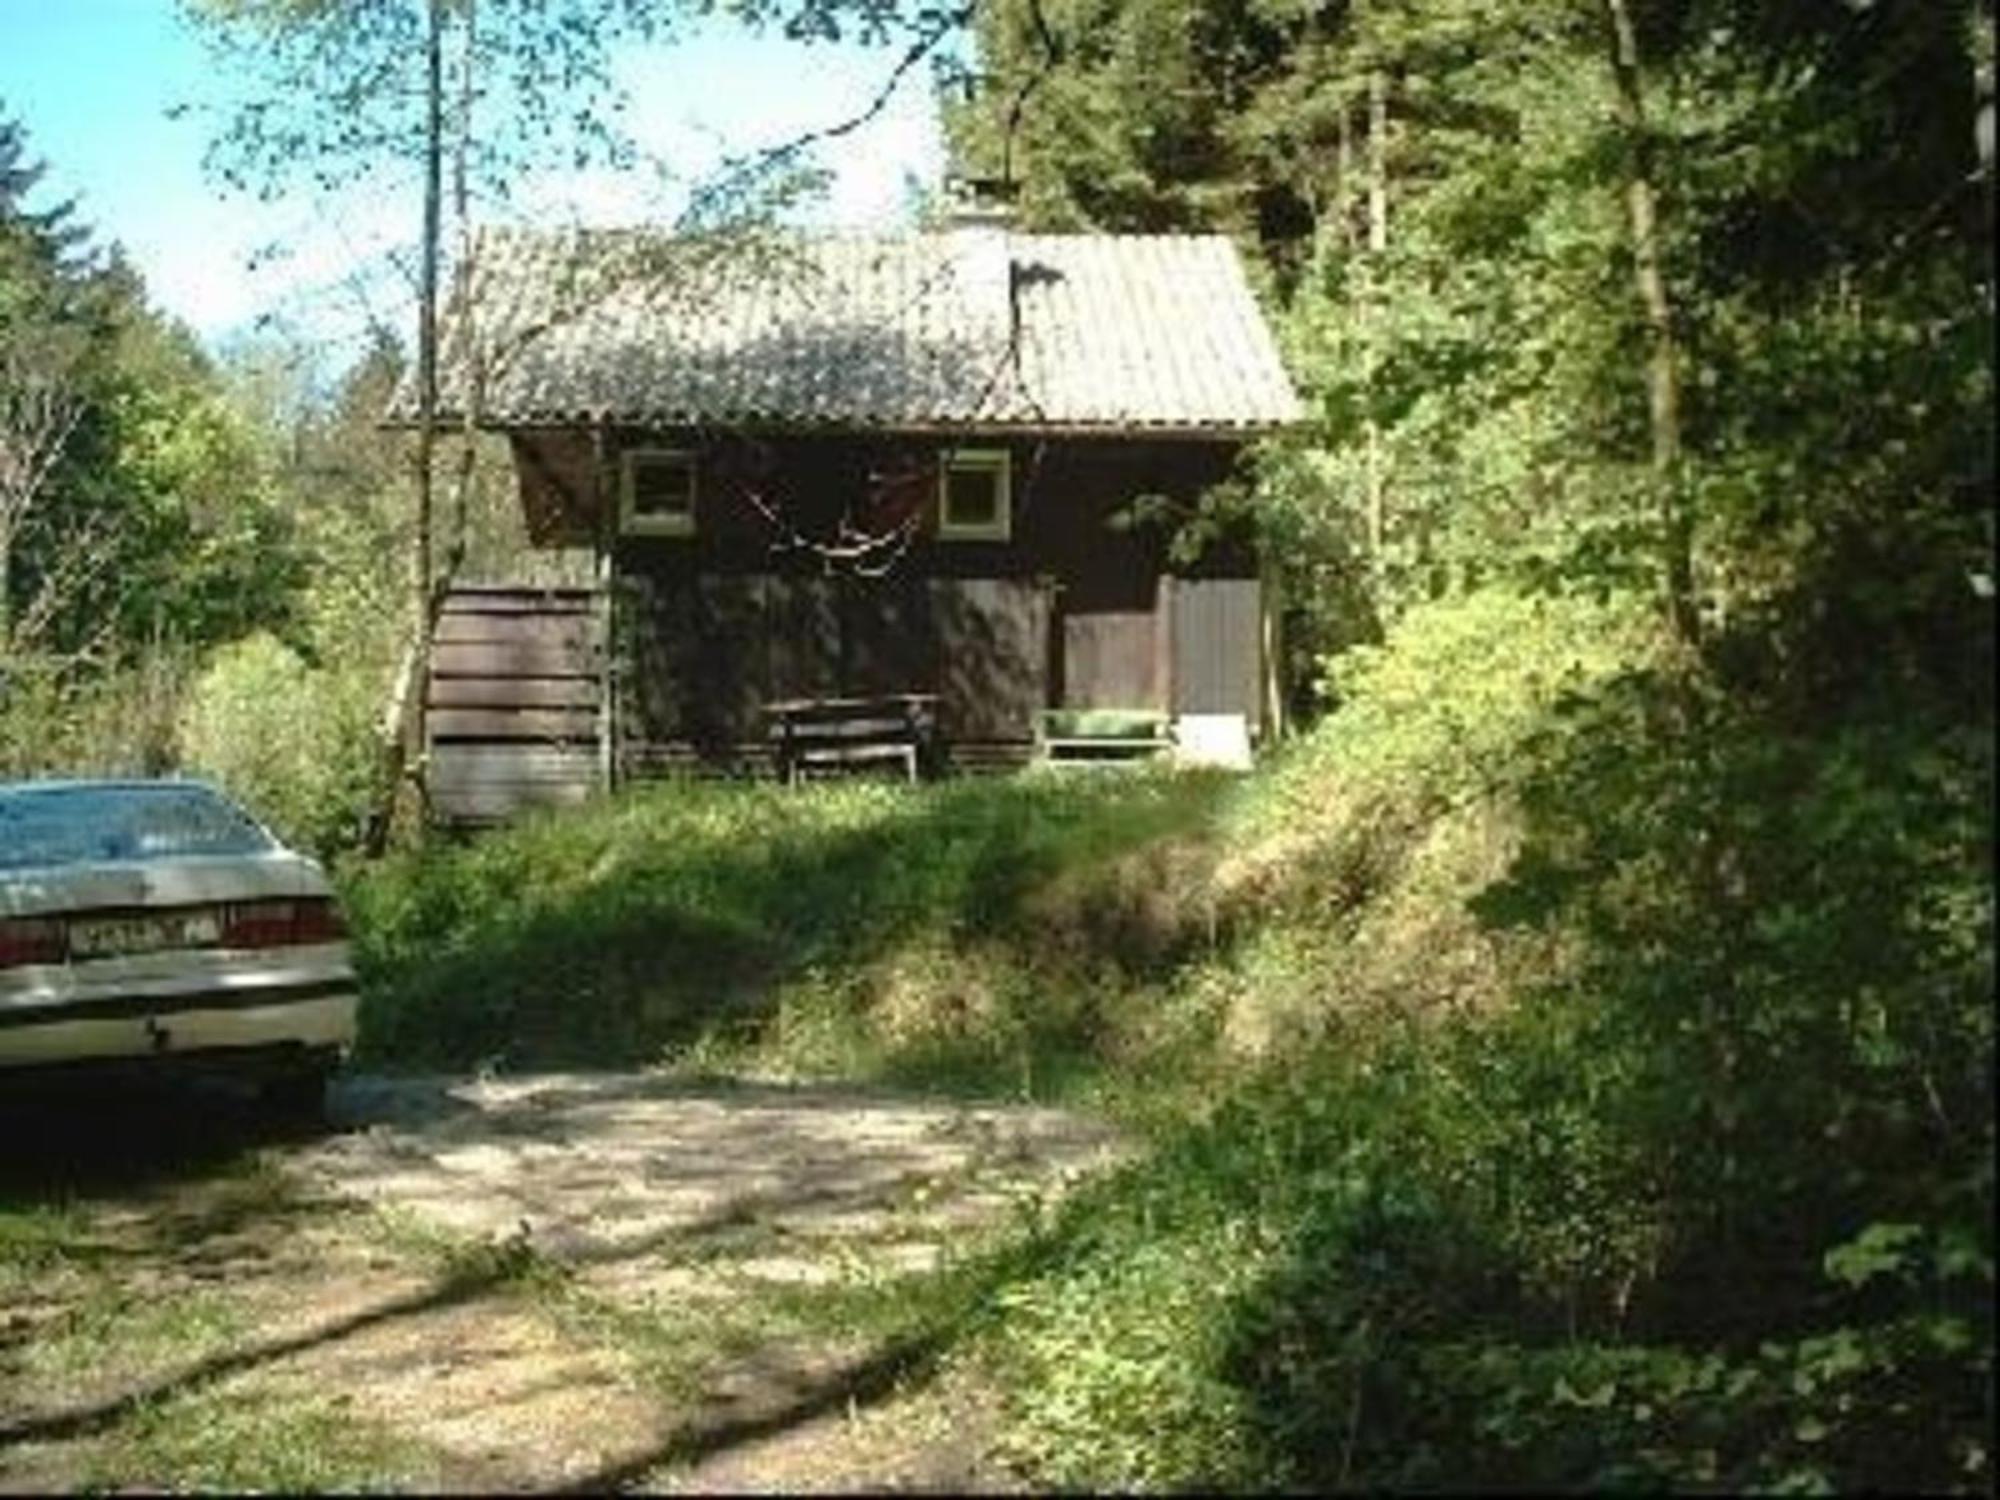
[
  {"x": 1668, "y": 284},
  {"x": 51, "y": 234},
  {"x": 128, "y": 507},
  {"x": 336, "y": 95},
  {"x": 1663, "y": 360}
]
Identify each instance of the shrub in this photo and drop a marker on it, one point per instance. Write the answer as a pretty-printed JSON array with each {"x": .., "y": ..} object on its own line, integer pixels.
[
  {"x": 1699, "y": 1193},
  {"x": 1560, "y": 1069},
  {"x": 64, "y": 722},
  {"x": 293, "y": 742}
]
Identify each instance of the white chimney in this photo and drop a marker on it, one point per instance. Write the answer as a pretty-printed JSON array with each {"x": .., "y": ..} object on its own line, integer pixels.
[{"x": 979, "y": 220}]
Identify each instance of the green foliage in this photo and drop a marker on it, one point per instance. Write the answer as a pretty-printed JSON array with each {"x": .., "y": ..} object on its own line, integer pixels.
[
  {"x": 293, "y": 743},
  {"x": 180, "y": 527},
  {"x": 1625, "y": 1115},
  {"x": 333, "y": 95},
  {"x": 185, "y": 513},
  {"x": 1621, "y": 1118},
  {"x": 138, "y": 521},
  {"x": 1572, "y": 1064},
  {"x": 1787, "y": 937},
  {"x": 806, "y": 927},
  {"x": 1688, "y": 1185},
  {"x": 1473, "y": 353},
  {"x": 57, "y": 722},
  {"x": 1433, "y": 716}
]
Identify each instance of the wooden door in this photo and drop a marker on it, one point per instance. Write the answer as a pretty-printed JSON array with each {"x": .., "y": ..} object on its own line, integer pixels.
[{"x": 1217, "y": 648}]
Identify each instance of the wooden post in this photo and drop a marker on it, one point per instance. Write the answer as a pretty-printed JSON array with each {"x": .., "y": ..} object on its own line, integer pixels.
[
  {"x": 607, "y": 675},
  {"x": 607, "y": 580}
]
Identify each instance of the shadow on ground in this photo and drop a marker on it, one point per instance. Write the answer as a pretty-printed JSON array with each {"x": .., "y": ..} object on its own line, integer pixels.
[
  {"x": 72, "y": 1134},
  {"x": 606, "y": 1168},
  {"x": 557, "y": 1281}
]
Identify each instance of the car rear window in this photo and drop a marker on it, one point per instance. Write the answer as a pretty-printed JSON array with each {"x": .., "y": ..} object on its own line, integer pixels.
[{"x": 48, "y": 826}]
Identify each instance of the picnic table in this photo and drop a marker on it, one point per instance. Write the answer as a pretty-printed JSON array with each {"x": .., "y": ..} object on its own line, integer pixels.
[{"x": 809, "y": 732}]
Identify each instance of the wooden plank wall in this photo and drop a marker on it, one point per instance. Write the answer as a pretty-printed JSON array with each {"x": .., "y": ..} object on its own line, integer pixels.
[
  {"x": 1217, "y": 635},
  {"x": 707, "y": 651},
  {"x": 513, "y": 701}
]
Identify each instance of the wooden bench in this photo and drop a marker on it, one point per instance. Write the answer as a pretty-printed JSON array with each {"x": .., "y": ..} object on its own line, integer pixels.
[
  {"x": 839, "y": 732},
  {"x": 1098, "y": 736}
]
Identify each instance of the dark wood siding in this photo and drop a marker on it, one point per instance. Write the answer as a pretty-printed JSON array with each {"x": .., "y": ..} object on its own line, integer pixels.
[
  {"x": 992, "y": 642},
  {"x": 1068, "y": 612},
  {"x": 706, "y": 651},
  {"x": 557, "y": 476},
  {"x": 513, "y": 702}
]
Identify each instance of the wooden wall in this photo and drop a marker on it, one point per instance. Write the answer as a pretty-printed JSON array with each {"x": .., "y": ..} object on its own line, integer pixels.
[
  {"x": 1069, "y": 612},
  {"x": 513, "y": 702},
  {"x": 1216, "y": 626}
]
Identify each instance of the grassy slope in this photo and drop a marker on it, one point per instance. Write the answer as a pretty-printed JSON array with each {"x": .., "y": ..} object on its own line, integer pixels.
[
  {"x": 1557, "y": 1073},
  {"x": 856, "y": 929}
]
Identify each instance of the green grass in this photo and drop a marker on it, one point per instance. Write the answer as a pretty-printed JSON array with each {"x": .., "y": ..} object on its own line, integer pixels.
[
  {"x": 108, "y": 1326},
  {"x": 63, "y": 1265},
  {"x": 100, "y": 1273},
  {"x": 244, "y": 1440},
  {"x": 709, "y": 922},
  {"x": 37, "y": 1239},
  {"x": 1519, "y": 1058}
]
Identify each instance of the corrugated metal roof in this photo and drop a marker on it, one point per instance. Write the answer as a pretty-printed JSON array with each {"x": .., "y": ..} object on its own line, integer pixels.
[{"x": 971, "y": 327}]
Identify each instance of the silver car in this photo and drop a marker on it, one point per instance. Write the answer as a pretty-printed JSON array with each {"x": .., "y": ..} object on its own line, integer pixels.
[{"x": 157, "y": 920}]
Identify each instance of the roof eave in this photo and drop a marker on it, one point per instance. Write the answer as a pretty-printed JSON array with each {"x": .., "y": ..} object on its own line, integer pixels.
[{"x": 1180, "y": 431}]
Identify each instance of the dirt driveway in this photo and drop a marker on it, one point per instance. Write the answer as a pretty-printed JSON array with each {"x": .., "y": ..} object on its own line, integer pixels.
[{"x": 576, "y": 1280}]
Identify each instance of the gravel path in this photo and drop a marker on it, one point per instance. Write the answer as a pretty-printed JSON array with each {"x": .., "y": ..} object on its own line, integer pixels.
[{"x": 605, "y": 1280}]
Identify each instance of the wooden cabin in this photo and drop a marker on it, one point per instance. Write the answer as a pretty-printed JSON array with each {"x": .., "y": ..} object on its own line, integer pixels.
[{"x": 945, "y": 464}]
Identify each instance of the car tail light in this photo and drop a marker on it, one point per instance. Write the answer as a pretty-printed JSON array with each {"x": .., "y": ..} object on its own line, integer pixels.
[
  {"x": 279, "y": 924},
  {"x": 317, "y": 921},
  {"x": 32, "y": 940}
]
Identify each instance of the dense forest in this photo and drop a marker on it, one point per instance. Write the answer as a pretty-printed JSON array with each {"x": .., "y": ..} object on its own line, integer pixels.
[
  {"x": 1569, "y": 1060},
  {"x": 203, "y": 556}
]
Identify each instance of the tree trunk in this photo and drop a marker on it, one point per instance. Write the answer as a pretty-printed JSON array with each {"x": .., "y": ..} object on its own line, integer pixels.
[
  {"x": 1979, "y": 23},
  {"x": 1343, "y": 177},
  {"x": 1663, "y": 381},
  {"x": 1979, "y": 49},
  {"x": 403, "y": 718},
  {"x": 427, "y": 374},
  {"x": 1378, "y": 161},
  {"x": 1378, "y": 241},
  {"x": 472, "y": 376}
]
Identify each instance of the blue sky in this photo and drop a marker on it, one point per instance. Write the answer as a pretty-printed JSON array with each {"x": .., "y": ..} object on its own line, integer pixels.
[{"x": 91, "y": 81}]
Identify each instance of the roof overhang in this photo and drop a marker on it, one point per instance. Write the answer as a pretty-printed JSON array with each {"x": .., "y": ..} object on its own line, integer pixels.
[{"x": 779, "y": 427}]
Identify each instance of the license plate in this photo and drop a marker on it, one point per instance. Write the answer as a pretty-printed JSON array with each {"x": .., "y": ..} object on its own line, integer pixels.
[{"x": 107, "y": 937}]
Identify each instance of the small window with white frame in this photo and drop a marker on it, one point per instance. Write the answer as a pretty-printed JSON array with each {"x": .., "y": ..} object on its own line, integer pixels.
[
  {"x": 657, "y": 493},
  {"x": 975, "y": 502}
]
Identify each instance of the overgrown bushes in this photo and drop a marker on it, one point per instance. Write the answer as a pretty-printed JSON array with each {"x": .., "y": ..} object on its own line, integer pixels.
[
  {"x": 121, "y": 722},
  {"x": 1565, "y": 1067},
  {"x": 853, "y": 928},
  {"x": 1694, "y": 1187},
  {"x": 295, "y": 743}
]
